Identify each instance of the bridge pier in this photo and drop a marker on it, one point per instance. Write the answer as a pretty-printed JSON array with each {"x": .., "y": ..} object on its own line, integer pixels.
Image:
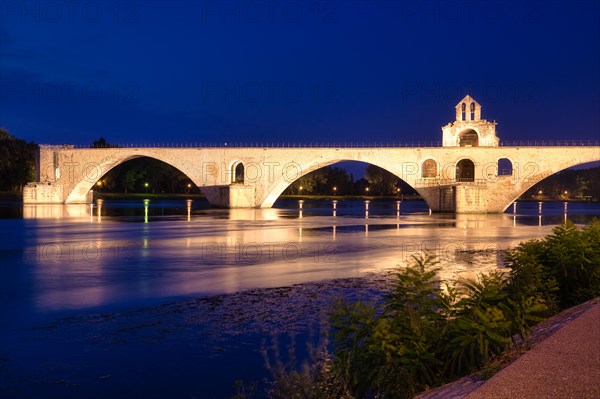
[
  {"x": 439, "y": 198},
  {"x": 230, "y": 196},
  {"x": 223, "y": 196},
  {"x": 462, "y": 198},
  {"x": 50, "y": 193}
]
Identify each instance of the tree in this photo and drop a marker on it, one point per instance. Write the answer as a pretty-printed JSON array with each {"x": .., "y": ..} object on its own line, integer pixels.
[
  {"x": 381, "y": 181},
  {"x": 308, "y": 182},
  {"x": 101, "y": 143},
  {"x": 322, "y": 181},
  {"x": 581, "y": 187},
  {"x": 130, "y": 178},
  {"x": 17, "y": 161},
  {"x": 160, "y": 176},
  {"x": 336, "y": 177}
]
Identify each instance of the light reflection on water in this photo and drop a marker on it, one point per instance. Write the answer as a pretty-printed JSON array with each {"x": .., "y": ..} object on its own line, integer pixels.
[
  {"x": 62, "y": 257},
  {"x": 97, "y": 264}
]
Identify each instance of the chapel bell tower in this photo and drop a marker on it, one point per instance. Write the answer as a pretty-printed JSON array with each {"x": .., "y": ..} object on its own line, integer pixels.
[{"x": 469, "y": 130}]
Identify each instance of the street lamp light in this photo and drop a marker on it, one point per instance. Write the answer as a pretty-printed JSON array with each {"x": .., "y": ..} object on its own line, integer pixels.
[
  {"x": 146, "y": 186},
  {"x": 334, "y": 190},
  {"x": 301, "y": 189}
]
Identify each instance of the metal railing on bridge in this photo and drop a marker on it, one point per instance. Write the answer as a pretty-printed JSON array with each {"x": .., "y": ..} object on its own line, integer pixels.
[
  {"x": 272, "y": 144},
  {"x": 550, "y": 143},
  {"x": 350, "y": 144}
]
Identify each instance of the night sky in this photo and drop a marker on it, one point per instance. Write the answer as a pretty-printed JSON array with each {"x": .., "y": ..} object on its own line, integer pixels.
[{"x": 295, "y": 71}]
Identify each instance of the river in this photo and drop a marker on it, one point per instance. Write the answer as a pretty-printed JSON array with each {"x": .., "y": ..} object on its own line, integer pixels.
[{"x": 136, "y": 298}]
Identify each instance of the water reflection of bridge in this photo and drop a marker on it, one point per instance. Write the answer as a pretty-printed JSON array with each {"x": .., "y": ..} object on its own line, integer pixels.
[{"x": 94, "y": 213}]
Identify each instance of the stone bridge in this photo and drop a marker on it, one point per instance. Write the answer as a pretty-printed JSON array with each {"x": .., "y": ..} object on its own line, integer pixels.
[{"x": 469, "y": 173}]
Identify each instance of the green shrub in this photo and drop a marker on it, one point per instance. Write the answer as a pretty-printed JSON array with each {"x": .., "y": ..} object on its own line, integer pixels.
[
  {"x": 391, "y": 350},
  {"x": 480, "y": 329},
  {"x": 560, "y": 271},
  {"x": 423, "y": 335}
]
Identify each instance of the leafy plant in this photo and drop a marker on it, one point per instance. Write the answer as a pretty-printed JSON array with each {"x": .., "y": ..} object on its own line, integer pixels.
[
  {"x": 561, "y": 270},
  {"x": 481, "y": 329},
  {"x": 391, "y": 351},
  {"x": 423, "y": 334},
  {"x": 313, "y": 379}
]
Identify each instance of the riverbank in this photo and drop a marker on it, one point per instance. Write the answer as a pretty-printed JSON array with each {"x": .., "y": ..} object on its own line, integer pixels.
[
  {"x": 123, "y": 196},
  {"x": 561, "y": 361},
  {"x": 17, "y": 196},
  {"x": 558, "y": 200},
  {"x": 151, "y": 196},
  {"x": 351, "y": 197}
]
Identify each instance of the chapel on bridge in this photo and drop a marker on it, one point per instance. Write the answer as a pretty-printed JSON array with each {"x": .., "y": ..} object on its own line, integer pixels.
[{"x": 469, "y": 130}]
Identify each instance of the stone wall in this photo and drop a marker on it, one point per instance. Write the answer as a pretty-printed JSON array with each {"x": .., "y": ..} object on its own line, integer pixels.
[
  {"x": 230, "y": 196},
  {"x": 269, "y": 171},
  {"x": 43, "y": 193}
]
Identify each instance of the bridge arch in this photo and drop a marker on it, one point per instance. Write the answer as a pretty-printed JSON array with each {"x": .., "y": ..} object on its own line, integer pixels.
[
  {"x": 299, "y": 170},
  {"x": 91, "y": 173},
  {"x": 538, "y": 177}
]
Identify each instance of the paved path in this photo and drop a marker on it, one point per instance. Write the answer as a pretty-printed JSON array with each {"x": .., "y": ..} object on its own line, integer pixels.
[{"x": 565, "y": 365}]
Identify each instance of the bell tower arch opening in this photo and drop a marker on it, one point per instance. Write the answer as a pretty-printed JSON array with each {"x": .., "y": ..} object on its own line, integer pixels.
[{"x": 468, "y": 138}]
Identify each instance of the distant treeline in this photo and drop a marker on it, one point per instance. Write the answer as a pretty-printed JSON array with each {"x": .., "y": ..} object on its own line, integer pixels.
[
  {"x": 145, "y": 175},
  {"x": 580, "y": 184},
  {"x": 17, "y": 162},
  {"x": 332, "y": 180}
]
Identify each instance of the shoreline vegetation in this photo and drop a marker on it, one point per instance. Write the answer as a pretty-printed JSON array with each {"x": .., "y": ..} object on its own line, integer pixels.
[
  {"x": 17, "y": 196},
  {"x": 425, "y": 333}
]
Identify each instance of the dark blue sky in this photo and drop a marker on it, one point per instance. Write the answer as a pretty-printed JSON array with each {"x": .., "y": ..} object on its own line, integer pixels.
[{"x": 294, "y": 71}]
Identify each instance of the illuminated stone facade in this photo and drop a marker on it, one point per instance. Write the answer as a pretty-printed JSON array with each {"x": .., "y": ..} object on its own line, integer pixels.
[
  {"x": 469, "y": 130},
  {"x": 461, "y": 176}
]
